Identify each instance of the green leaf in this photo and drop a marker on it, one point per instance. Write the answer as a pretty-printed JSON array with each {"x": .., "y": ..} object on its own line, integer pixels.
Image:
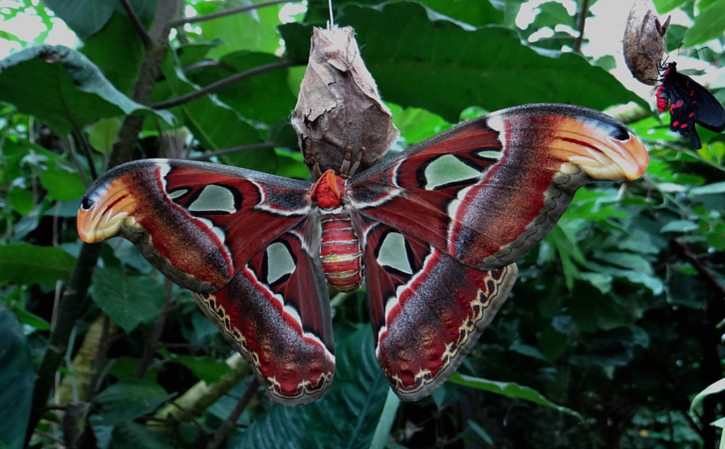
[
  {"x": 346, "y": 416},
  {"x": 16, "y": 381},
  {"x": 713, "y": 388},
  {"x": 625, "y": 260},
  {"x": 129, "y": 399},
  {"x": 205, "y": 368},
  {"x": 385, "y": 423},
  {"x": 215, "y": 124},
  {"x": 127, "y": 300},
  {"x": 26, "y": 264},
  {"x": 680, "y": 226},
  {"x": 63, "y": 88},
  {"x": 61, "y": 183},
  {"x": 710, "y": 189},
  {"x": 86, "y": 17},
  {"x": 131, "y": 435},
  {"x": 104, "y": 133},
  {"x": 423, "y": 61},
  {"x": 21, "y": 200},
  {"x": 253, "y": 30},
  {"x": 117, "y": 50},
  {"x": 509, "y": 389},
  {"x": 265, "y": 97},
  {"x": 709, "y": 24}
]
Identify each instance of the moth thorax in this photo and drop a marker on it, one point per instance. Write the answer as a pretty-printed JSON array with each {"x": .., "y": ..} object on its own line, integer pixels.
[{"x": 340, "y": 252}]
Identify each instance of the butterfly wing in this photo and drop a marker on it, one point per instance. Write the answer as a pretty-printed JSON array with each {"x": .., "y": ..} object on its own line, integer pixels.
[
  {"x": 244, "y": 242},
  {"x": 688, "y": 103},
  {"x": 488, "y": 190},
  {"x": 427, "y": 309}
]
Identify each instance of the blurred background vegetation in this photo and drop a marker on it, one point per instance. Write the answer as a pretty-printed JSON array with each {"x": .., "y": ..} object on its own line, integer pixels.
[{"x": 613, "y": 329}]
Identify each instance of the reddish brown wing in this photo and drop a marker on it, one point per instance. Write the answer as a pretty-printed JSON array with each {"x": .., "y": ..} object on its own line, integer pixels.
[
  {"x": 197, "y": 223},
  {"x": 276, "y": 311},
  {"x": 427, "y": 309},
  {"x": 244, "y": 243},
  {"x": 488, "y": 190}
]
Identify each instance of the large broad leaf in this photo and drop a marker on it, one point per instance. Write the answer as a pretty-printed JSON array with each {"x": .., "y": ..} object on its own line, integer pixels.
[
  {"x": 86, "y": 17},
  {"x": 420, "y": 60},
  {"x": 709, "y": 24},
  {"x": 127, "y": 300},
  {"x": 16, "y": 381},
  {"x": 61, "y": 87},
  {"x": 345, "y": 418},
  {"x": 265, "y": 97},
  {"x": 214, "y": 123},
  {"x": 117, "y": 50},
  {"x": 509, "y": 389},
  {"x": 471, "y": 12},
  {"x": 253, "y": 30},
  {"x": 22, "y": 263},
  {"x": 129, "y": 399}
]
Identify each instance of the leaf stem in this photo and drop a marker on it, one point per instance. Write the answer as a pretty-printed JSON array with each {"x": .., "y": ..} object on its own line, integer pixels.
[
  {"x": 227, "y": 12},
  {"x": 222, "y": 83},
  {"x": 231, "y": 150}
]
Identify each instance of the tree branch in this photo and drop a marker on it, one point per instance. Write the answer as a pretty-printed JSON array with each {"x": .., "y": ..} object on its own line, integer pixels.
[
  {"x": 70, "y": 309},
  {"x": 166, "y": 11},
  {"x": 74, "y": 296},
  {"x": 581, "y": 23},
  {"x": 136, "y": 22},
  {"x": 227, "y": 426},
  {"x": 199, "y": 397},
  {"x": 222, "y": 83},
  {"x": 227, "y": 12}
]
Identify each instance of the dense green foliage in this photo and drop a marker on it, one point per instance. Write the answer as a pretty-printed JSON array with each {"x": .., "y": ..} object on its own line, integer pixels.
[{"x": 613, "y": 327}]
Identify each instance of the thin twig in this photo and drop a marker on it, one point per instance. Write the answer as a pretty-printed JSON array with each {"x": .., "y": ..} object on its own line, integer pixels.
[
  {"x": 136, "y": 22},
  {"x": 228, "y": 425},
  {"x": 207, "y": 64},
  {"x": 227, "y": 12},
  {"x": 73, "y": 298},
  {"x": 152, "y": 342},
  {"x": 86, "y": 148},
  {"x": 222, "y": 83},
  {"x": 685, "y": 252},
  {"x": 74, "y": 160},
  {"x": 230, "y": 150},
  {"x": 581, "y": 23}
]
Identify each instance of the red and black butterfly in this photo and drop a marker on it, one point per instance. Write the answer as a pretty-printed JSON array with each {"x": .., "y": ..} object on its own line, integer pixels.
[
  {"x": 434, "y": 232},
  {"x": 689, "y": 103}
]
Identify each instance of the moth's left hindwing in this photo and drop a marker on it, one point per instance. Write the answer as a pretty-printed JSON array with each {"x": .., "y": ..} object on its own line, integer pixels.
[
  {"x": 240, "y": 240},
  {"x": 276, "y": 312}
]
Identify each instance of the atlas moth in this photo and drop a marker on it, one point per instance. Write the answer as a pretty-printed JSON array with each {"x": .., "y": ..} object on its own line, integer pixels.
[{"x": 433, "y": 233}]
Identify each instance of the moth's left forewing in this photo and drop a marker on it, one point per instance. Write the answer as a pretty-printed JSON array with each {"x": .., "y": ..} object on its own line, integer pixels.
[{"x": 197, "y": 223}]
